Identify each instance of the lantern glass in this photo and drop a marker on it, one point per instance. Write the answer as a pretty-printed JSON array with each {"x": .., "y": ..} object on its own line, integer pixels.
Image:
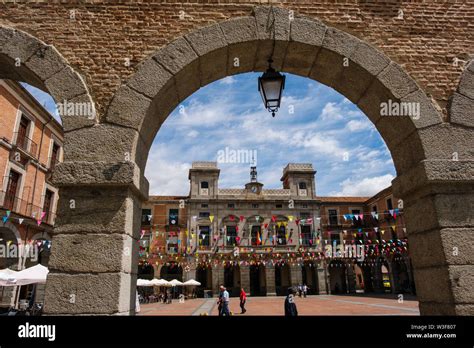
[{"x": 271, "y": 85}]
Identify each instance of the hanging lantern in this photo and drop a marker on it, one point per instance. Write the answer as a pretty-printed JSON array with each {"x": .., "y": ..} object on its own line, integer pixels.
[{"x": 270, "y": 86}]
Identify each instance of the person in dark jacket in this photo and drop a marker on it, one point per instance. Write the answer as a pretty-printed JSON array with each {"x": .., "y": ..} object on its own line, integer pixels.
[{"x": 290, "y": 305}]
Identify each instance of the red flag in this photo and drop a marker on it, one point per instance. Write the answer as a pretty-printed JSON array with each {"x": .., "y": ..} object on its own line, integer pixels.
[{"x": 241, "y": 218}]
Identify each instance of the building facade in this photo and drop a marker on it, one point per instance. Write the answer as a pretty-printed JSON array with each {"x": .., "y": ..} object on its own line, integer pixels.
[
  {"x": 266, "y": 240},
  {"x": 31, "y": 143}
]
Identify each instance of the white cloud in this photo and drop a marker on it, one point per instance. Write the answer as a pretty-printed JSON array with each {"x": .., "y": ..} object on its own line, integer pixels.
[
  {"x": 364, "y": 187},
  {"x": 358, "y": 125},
  {"x": 193, "y": 133},
  {"x": 229, "y": 80},
  {"x": 331, "y": 112}
]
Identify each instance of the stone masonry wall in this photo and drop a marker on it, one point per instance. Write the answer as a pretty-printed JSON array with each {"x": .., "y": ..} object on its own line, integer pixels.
[{"x": 98, "y": 37}]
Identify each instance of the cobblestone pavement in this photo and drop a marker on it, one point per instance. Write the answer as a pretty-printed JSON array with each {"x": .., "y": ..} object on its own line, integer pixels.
[{"x": 312, "y": 305}]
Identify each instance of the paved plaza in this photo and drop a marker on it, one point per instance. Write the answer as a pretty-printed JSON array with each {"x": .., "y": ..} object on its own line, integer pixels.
[{"x": 312, "y": 305}]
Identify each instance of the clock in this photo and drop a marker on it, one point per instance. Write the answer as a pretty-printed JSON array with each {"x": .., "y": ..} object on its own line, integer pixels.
[{"x": 253, "y": 189}]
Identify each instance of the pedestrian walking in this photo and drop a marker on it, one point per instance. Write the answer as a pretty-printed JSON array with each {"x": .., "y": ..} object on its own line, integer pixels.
[
  {"x": 219, "y": 300},
  {"x": 290, "y": 305},
  {"x": 300, "y": 290},
  {"x": 225, "y": 303},
  {"x": 305, "y": 290},
  {"x": 243, "y": 299}
]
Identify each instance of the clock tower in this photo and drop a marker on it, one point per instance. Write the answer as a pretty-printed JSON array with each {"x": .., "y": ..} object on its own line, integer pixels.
[{"x": 253, "y": 186}]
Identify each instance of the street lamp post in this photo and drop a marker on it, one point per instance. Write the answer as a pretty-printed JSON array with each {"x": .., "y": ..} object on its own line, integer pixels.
[{"x": 270, "y": 86}]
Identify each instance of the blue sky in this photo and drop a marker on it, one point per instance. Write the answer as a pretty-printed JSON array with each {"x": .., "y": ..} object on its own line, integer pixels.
[{"x": 314, "y": 125}]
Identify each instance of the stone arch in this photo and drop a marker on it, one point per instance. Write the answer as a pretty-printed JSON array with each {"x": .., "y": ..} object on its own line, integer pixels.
[
  {"x": 303, "y": 46},
  {"x": 108, "y": 180},
  {"x": 26, "y": 58}
]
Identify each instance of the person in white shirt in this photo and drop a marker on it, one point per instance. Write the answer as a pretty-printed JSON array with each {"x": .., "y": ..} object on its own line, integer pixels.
[{"x": 225, "y": 302}]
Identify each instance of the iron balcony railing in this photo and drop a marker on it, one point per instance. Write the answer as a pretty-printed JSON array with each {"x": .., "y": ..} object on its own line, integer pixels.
[
  {"x": 26, "y": 144},
  {"x": 24, "y": 208}
]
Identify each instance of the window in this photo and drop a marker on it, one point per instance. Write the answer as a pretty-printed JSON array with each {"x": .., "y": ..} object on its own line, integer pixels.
[
  {"x": 356, "y": 221},
  {"x": 231, "y": 205},
  {"x": 335, "y": 236},
  {"x": 389, "y": 204},
  {"x": 374, "y": 208},
  {"x": 12, "y": 187},
  {"x": 173, "y": 216},
  {"x": 256, "y": 235},
  {"x": 304, "y": 206},
  {"x": 302, "y": 186},
  {"x": 203, "y": 214},
  {"x": 204, "y": 235},
  {"x": 278, "y": 206},
  {"x": 231, "y": 235},
  {"x": 307, "y": 235},
  {"x": 48, "y": 204},
  {"x": 204, "y": 185},
  {"x": 146, "y": 216},
  {"x": 281, "y": 235},
  {"x": 254, "y": 206},
  {"x": 332, "y": 217},
  {"x": 21, "y": 138},
  {"x": 54, "y": 156},
  {"x": 204, "y": 205}
]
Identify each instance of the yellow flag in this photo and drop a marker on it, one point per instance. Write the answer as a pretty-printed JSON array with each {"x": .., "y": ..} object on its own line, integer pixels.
[
  {"x": 211, "y": 217},
  {"x": 290, "y": 217},
  {"x": 278, "y": 224}
]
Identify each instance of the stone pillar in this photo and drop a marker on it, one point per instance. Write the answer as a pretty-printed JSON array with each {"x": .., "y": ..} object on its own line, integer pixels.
[
  {"x": 270, "y": 280},
  {"x": 438, "y": 199},
  {"x": 217, "y": 279},
  {"x": 245, "y": 278},
  {"x": 322, "y": 278},
  {"x": 351, "y": 279},
  {"x": 94, "y": 255},
  {"x": 296, "y": 275}
]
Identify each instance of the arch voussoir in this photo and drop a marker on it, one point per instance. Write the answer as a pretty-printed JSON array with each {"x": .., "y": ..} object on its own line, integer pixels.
[{"x": 461, "y": 103}]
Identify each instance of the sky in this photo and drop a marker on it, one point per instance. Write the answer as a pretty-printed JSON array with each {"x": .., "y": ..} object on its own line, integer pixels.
[{"x": 315, "y": 124}]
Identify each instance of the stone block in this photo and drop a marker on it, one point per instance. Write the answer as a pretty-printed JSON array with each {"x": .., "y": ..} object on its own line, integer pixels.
[
  {"x": 103, "y": 209},
  {"x": 466, "y": 85},
  {"x": 241, "y": 57},
  {"x": 369, "y": 58},
  {"x": 46, "y": 62},
  {"x": 425, "y": 289},
  {"x": 306, "y": 31},
  {"x": 428, "y": 114},
  {"x": 128, "y": 108},
  {"x": 273, "y": 23},
  {"x": 239, "y": 30},
  {"x": 207, "y": 39},
  {"x": 149, "y": 78},
  {"x": 299, "y": 58},
  {"x": 100, "y": 142},
  {"x": 340, "y": 42},
  {"x": 176, "y": 55},
  {"x": 213, "y": 66},
  {"x": 269, "y": 48},
  {"x": 461, "y": 110},
  {"x": 18, "y": 44},
  {"x": 103, "y": 293},
  {"x": 397, "y": 81},
  {"x": 462, "y": 278},
  {"x": 188, "y": 80},
  {"x": 96, "y": 253},
  {"x": 82, "y": 119},
  {"x": 321, "y": 73},
  {"x": 65, "y": 85},
  {"x": 353, "y": 81}
]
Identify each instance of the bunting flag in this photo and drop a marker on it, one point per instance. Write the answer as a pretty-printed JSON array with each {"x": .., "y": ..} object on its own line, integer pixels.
[
  {"x": 382, "y": 231},
  {"x": 257, "y": 218},
  {"x": 194, "y": 217},
  {"x": 394, "y": 228},
  {"x": 345, "y": 217},
  {"x": 5, "y": 218},
  {"x": 297, "y": 222},
  {"x": 290, "y": 217},
  {"x": 142, "y": 233},
  {"x": 404, "y": 230},
  {"x": 265, "y": 225},
  {"x": 366, "y": 234},
  {"x": 236, "y": 228},
  {"x": 259, "y": 241},
  {"x": 278, "y": 224},
  {"x": 211, "y": 217},
  {"x": 376, "y": 229},
  {"x": 149, "y": 217},
  {"x": 241, "y": 218},
  {"x": 231, "y": 217},
  {"x": 361, "y": 216},
  {"x": 273, "y": 218},
  {"x": 237, "y": 239},
  {"x": 391, "y": 212},
  {"x": 20, "y": 221},
  {"x": 8, "y": 213}
]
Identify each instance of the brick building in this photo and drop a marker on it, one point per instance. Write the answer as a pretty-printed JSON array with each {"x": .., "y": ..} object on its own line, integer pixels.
[
  {"x": 266, "y": 240},
  {"x": 31, "y": 143}
]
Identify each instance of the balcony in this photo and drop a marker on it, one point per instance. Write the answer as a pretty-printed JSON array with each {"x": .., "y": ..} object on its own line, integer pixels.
[
  {"x": 25, "y": 144},
  {"x": 24, "y": 208}
]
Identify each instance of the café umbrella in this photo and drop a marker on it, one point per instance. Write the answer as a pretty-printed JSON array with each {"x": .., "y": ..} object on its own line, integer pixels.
[{"x": 191, "y": 282}]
